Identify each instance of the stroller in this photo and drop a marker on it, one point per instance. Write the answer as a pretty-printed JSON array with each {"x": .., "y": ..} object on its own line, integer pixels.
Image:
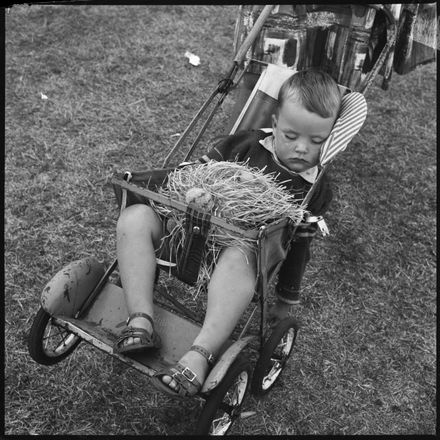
[{"x": 84, "y": 300}]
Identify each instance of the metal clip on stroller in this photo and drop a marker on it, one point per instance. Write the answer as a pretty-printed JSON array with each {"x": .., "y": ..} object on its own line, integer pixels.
[{"x": 81, "y": 303}]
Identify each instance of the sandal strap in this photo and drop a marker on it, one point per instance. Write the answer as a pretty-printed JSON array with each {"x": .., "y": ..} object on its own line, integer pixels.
[
  {"x": 205, "y": 353},
  {"x": 140, "y": 315},
  {"x": 186, "y": 378},
  {"x": 135, "y": 332}
]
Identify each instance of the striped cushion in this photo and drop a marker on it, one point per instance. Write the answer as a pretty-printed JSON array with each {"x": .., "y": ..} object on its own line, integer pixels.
[{"x": 351, "y": 118}]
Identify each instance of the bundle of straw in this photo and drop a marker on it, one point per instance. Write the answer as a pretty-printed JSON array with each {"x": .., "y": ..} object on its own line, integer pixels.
[{"x": 241, "y": 195}]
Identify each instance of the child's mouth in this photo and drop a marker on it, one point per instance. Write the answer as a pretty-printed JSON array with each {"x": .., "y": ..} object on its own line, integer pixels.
[{"x": 297, "y": 160}]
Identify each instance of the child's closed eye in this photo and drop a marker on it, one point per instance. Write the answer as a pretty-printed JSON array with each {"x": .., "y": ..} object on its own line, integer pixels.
[{"x": 290, "y": 137}]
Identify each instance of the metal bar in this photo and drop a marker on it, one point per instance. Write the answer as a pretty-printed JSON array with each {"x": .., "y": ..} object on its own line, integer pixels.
[
  {"x": 308, "y": 196},
  {"x": 241, "y": 53},
  {"x": 243, "y": 331},
  {"x": 159, "y": 198},
  {"x": 224, "y": 87},
  {"x": 96, "y": 290},
  {"x": 196, "y": 118},
  {"x": 103, "y": 346},
  {"x": 392, "y": 28},
  {"x": 380, "y": 60},
  {"x": 203, "y": 129},
  {"x": 181, "y": 307},
  {"x": 244, "y": 70},
  {"x": 190, "y": 126},
  {"x": 261, "y": 284}
]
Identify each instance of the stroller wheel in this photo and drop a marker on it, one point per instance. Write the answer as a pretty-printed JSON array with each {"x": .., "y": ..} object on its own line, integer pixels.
[
  {"x": 223, "y": 405},
  {"x": 274, "y": 355},
  {"x": 49, "y": 343}
]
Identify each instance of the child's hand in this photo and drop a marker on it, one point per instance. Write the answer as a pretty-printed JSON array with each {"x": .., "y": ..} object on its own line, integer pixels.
[{"x": 277, "y": 312}]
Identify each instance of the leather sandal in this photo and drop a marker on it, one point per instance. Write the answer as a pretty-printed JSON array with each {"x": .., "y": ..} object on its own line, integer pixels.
[
  {"x": 189, "y": 385},
  {"x": 146, "y": 339}
]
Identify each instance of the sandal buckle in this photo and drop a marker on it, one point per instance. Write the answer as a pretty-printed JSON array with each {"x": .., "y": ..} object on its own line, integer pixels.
[{"x": 189, "y": 374}]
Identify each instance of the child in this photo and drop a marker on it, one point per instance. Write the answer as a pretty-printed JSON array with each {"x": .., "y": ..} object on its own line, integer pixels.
[{"x": 308, "y": 105}]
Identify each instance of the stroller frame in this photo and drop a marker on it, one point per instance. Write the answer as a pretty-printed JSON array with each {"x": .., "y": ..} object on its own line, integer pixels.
[{"x": 82, "y": 304}]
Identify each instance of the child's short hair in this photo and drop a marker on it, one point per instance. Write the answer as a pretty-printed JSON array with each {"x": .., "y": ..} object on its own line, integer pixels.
[{"x": 317, "y": 91}]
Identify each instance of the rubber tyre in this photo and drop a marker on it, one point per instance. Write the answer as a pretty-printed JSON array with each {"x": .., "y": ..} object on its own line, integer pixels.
[
  {"x": 40, "y": 337},
  {"x": 274, "y": 356},
  {"x": 237, "y": 378}
]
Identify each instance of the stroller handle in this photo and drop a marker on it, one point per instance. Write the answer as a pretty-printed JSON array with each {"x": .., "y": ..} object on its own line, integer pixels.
[{"x": 241, "y": 53}]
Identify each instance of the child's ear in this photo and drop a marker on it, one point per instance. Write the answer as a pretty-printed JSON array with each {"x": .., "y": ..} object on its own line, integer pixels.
[{"x": 274, "y": 121}]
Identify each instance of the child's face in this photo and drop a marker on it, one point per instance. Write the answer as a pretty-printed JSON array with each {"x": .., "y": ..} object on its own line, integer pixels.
[{"x": 298, "y": 135}]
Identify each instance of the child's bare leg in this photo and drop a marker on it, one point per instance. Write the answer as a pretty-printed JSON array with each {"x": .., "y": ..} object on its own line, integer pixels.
[
  {"x": 138, "y": 233},
  {"x": 229, "y": 293}
]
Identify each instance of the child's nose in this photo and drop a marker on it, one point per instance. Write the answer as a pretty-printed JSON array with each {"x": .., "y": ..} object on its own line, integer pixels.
[{"x": 300, "y": 146}]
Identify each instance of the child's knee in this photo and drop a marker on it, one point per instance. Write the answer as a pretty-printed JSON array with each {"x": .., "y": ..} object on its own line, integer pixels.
[
  {"x": 237, "y": 260},
  {"x": 235, "y": 269},
  {"x": 137, "y": 218}
]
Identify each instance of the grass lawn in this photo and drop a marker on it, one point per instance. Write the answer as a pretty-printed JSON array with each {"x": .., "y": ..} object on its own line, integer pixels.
[{"x": 119, "y": 89}]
